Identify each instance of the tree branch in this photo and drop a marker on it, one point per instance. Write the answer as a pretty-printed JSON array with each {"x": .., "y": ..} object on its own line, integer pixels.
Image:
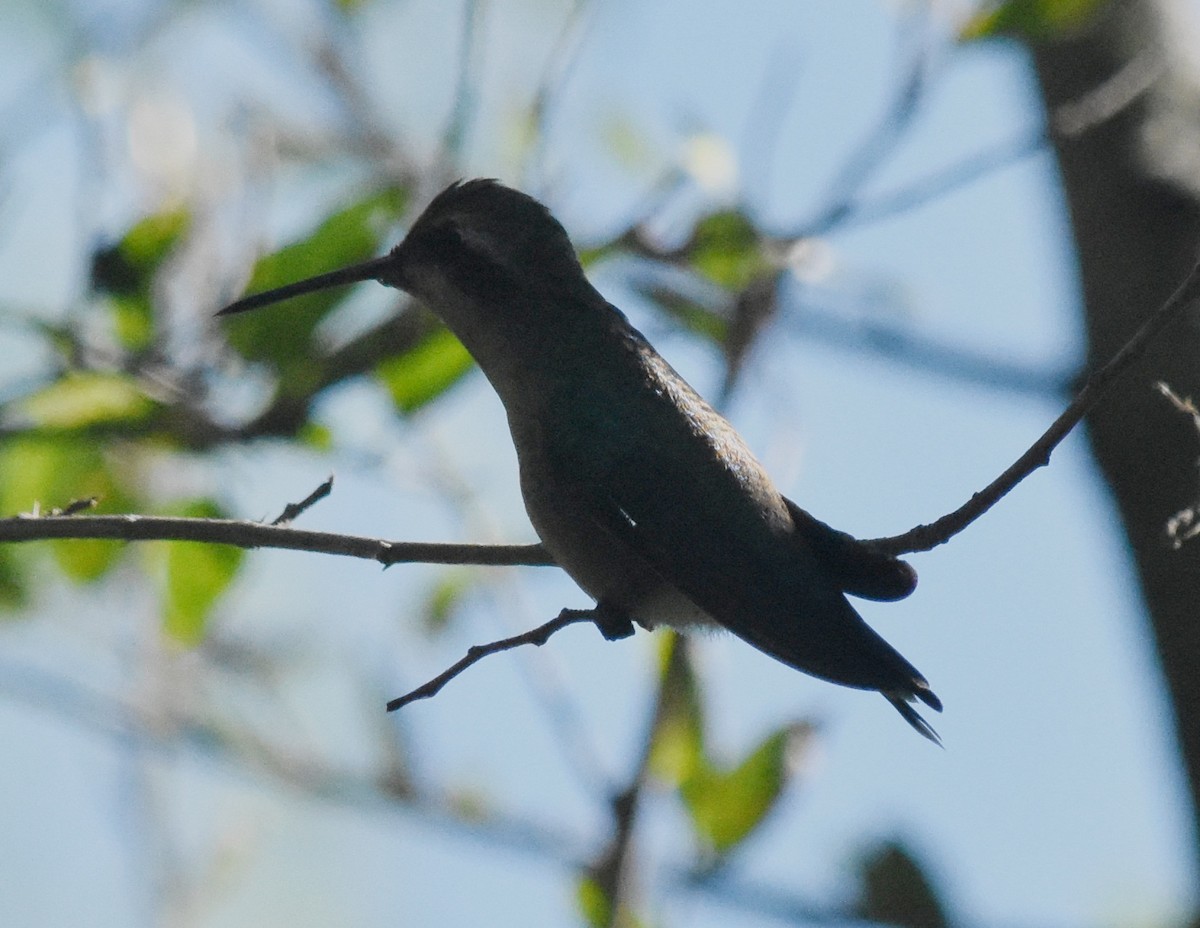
[
  {"x": 926, "y": 537},
  {"x": 246, "y": 534}
]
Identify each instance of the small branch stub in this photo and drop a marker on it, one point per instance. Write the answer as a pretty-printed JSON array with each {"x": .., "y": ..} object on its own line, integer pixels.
[{"x": 294, "y": 510}]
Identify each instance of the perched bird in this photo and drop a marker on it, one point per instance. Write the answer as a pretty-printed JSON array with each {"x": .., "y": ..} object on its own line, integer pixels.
[{"x": 640, "y": 490}]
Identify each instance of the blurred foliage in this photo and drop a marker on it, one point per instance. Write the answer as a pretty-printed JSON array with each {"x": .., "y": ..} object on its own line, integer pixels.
[
  {"x": 896, "y": 891},
  {"x": 422, "y": 374},
  {"x": 726, "y": 249},
  {"x": 699, "y": 319},
  {"x": 593, "y": 902},
  {"x": 196, "y": 575},
  {"x": 1031, "y": 20},
  {"x": 83, "y": 398},
  {"x": 47, "y": 473},
  {"x": 726, "y": 802},
  {"x": 445, "y": 597},
  {"x": 125, "y": 273},
  {"x": 13, "y": 591},
  {"x": 600, "y": 910},
  {"x": 285, "y": 340}
]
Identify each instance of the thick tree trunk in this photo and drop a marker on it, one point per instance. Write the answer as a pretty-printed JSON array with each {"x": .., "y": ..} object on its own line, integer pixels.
[{"x": 1132, "y": 185}]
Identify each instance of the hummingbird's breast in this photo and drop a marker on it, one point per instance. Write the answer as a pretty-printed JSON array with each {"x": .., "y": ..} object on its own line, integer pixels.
[
  {"x": 624, "y": 469},
  {"x": 603, "y": 562}
]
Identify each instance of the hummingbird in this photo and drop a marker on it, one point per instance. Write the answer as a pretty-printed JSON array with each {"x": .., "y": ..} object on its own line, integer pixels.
[{"x": 640, "y": 490}]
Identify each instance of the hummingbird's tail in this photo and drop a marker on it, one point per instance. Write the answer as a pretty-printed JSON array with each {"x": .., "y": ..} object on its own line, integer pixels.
[
  {"x": 901, "y": 702},
  {"x": 831, "y": 641}
]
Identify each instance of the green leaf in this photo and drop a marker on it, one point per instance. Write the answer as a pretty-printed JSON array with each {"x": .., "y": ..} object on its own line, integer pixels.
[
  {"x": 126, "y": 268},
  {"x": 627, "y": 144},
  {"x": 1031, "y": 20},
  {"x": 442, "y": 601},
  {"x": 13, "y": 591},
  {"x": 694, "y": 316},
  {"x": 426, "y": 371},
  {"x": 625, "y": 244},
  {"x": 125, "y": 272},
  {"x": 82, "y": 399},
  {"x": 594, "y": 904},
  {"x": 726, "y": 807},
  {"x": 132, "y": 321},
  {"x": 316, "y": 436},
  {"x": 50, "y": 473},
  {"x": 196, "y": 576},
  {"x": 677, "y": 753},
  {"x": 726, "y": 248},
  {"x": 284, "y": 339},
  {"x": 896, "y": 891}
]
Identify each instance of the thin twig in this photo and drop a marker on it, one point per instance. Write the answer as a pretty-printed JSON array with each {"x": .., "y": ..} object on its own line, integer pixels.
[
  {"x": 881, "y": 337},
  {"x": 536, "y": 636},
  {"x": 555, "y": 78},
  {"x": 941, "y": 182},
  {"x": 1184, "y": 405},
  {"x": 881, "y": 142},
  {"x": 292, "y": 510},
  {"x": 926, "y": 537},
  {"x": 465, "y": 85},
  {"x": 1071, "y": 120},
  {"x": 245, "y": 534}
]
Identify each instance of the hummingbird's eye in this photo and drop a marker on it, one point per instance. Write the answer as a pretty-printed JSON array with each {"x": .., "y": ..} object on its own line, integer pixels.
[
  {"x": 468, "y": 256},
  {"x": 443, "y": 240}
]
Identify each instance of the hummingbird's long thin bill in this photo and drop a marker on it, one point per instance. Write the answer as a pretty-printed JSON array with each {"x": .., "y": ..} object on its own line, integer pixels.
[{"x": 355, "y": 273}]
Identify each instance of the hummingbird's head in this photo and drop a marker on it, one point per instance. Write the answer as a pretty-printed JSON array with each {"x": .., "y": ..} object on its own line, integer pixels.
[
  {"x": 486, "y": 241},
  {"x": 478, "y": 251}
]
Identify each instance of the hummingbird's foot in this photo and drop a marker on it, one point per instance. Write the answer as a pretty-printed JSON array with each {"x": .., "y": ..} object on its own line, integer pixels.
[{"x": 614, "y": 623}]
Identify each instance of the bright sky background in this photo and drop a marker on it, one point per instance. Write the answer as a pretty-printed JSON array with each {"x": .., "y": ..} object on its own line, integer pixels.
[{"x": 1057, "y": 801}]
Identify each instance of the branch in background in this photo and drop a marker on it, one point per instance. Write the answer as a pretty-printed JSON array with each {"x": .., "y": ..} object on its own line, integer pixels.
[
  {"x": 940, "y": 183},
  {"x": 466, "y": 86},
  {"x": 1071, "y": 120},
  {"x": 879, "y": 144},
  {"x": 914, "y": 350},
  {"x": 556, "y": 76}
]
